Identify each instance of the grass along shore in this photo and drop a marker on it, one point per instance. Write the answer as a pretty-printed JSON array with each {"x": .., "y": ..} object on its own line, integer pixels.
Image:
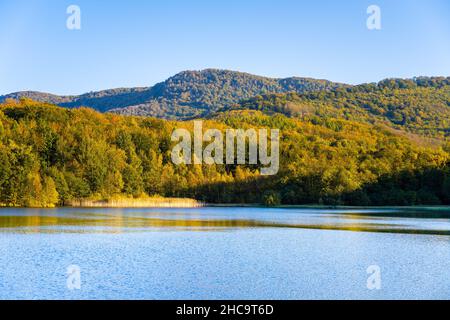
[
  {"x": 124, "y": 202},
  {"x": 137, "y": 203}
]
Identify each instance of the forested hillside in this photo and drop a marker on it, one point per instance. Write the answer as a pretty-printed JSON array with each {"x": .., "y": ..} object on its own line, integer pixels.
[
  {"x": 420, "y": 106},
  {"x": 49, "y": 155},
  {"x": 194, "y": 93},
  {"x": 187, "y": 94}
]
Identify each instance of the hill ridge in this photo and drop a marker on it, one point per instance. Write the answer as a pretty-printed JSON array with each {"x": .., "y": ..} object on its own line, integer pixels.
[{"x": 187, "y": 93}]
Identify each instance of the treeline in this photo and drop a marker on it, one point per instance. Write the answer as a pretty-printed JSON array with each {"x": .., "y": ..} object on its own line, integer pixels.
[{"x": 50, "y": 155}]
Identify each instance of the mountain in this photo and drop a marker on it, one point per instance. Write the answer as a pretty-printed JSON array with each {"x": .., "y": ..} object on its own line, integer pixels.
[
  {"x": 187, "y": 94},
  {"x": 419, "y": 106}
]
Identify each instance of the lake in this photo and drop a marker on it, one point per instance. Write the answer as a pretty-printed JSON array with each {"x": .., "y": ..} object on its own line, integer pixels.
[{"x": 225, "y": 253}]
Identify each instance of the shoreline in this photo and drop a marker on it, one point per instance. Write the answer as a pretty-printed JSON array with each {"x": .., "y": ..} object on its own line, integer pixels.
[{"x": 192, "y": 203}]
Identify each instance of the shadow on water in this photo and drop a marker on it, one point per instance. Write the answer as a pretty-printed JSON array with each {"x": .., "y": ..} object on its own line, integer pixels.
[
  {"x": 95, "y": 222},
  {"x": 404, "y": 212}
]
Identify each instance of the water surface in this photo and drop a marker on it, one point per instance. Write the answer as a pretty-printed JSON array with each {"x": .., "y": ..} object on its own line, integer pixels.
[{"x": 225, "y": 253}]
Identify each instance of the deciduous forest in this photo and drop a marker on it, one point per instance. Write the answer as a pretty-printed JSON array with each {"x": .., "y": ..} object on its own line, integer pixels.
[{"x": 332, "y": 152}]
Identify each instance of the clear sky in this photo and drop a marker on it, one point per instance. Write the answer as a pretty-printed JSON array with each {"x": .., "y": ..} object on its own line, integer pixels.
[{"x": 139, "y": 43}]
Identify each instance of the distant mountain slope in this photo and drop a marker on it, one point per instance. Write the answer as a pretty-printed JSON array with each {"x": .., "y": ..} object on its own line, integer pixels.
[
  {"x": 184, "y": 95},
  {"x": 420, "y": 105},
  {"x": 100, "y": 100}
]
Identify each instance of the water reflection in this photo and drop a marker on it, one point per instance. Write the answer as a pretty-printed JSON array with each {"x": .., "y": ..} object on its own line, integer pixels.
[{"x": 406, "y": 221}]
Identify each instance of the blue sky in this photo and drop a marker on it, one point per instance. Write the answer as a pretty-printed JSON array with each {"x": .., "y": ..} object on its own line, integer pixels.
[{"x": 139, "y": 43}]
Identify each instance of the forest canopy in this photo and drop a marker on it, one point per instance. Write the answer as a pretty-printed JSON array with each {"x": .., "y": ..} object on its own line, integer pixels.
[
  {"x": 50, "y": 155},
  {"x": 420, "y": 106}
]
